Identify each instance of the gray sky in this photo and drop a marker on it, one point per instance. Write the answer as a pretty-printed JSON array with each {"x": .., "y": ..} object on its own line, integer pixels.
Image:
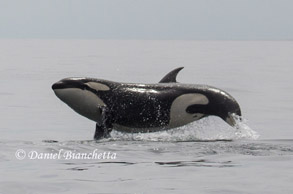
[{"x": 148, "y": 19}]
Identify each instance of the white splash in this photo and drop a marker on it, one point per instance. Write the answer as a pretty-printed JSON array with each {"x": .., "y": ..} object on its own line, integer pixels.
[
  {"x": 206, "y": 129},
  {"x": 243, "y": 131}
]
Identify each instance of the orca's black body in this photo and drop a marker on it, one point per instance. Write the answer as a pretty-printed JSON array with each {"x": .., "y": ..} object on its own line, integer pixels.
[{"x": 144, "y": 107}]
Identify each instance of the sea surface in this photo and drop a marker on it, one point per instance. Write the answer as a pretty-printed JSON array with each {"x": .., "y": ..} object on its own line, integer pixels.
[{"x": 45, "y": 147}]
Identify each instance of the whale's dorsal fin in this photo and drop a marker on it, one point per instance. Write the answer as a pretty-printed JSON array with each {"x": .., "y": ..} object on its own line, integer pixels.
[{"x": 171, "y": 76}]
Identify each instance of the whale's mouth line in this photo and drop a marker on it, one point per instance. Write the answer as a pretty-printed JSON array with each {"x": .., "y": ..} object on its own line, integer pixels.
[{"x": 233, "y": 119}]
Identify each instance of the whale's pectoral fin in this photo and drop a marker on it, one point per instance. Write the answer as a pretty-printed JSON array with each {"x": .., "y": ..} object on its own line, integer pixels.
[
  {"x": 171, "y": 76},
  {"x": 103, "y": 128}
]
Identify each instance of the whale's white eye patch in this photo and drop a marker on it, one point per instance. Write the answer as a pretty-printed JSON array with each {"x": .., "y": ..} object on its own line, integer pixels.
[
  {"x": 98, "y": 86},
  {"x": 195, "y": 98},
  {"x": 178, "y": 114}
]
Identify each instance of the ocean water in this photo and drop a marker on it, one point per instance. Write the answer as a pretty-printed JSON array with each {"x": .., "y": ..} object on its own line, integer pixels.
[{"x": 45, "y": 147}]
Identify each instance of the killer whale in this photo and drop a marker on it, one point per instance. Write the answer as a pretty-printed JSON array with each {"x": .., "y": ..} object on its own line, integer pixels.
[{"x": 130, "y": 107}]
